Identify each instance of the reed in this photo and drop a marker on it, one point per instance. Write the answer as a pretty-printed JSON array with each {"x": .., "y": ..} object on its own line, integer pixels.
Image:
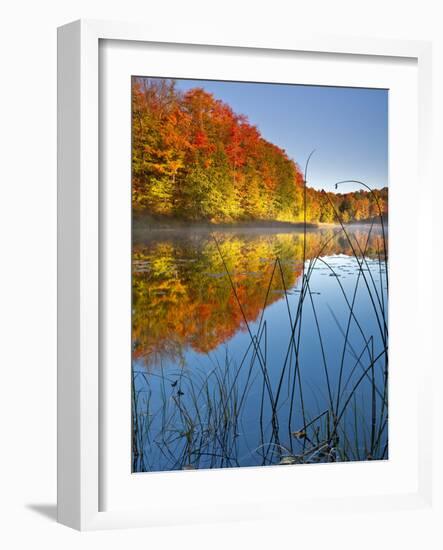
[{"x": 198, "y": 421}]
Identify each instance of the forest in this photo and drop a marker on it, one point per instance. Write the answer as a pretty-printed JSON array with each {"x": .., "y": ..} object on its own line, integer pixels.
[{"x": 194, "y": 158}]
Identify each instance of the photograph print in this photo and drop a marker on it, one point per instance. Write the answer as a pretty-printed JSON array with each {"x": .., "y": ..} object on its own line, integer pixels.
[{"x": 259, "y": 274}]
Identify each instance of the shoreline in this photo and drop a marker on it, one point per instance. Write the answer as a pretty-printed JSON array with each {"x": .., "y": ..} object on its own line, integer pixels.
[
  {"x": 142, "y": 226},
  {"x": 141, "y": 223}
]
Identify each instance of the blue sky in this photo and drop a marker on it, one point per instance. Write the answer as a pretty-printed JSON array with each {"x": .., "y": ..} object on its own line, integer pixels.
[{"x": 348, "y": 127}]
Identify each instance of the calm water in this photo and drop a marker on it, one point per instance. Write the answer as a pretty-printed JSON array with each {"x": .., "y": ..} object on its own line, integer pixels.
[{"x": 244, "y": 355}]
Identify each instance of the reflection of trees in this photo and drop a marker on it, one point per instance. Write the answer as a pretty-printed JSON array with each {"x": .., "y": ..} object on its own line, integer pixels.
[{"x": 183, "y": 297}]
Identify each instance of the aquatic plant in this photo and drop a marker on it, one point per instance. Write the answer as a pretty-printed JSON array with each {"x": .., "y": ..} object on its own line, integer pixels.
[{"x": 197, "y": 419}]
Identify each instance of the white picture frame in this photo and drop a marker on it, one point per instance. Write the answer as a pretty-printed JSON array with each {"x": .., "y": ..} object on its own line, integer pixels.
[{"x": 80, "y": 264}]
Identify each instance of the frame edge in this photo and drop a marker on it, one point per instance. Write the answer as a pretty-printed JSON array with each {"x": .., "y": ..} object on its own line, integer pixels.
[{"x": 68, "y": 275}]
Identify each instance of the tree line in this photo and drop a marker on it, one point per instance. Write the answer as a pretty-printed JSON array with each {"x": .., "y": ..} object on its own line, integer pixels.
[{"x": 194, "y": 158}]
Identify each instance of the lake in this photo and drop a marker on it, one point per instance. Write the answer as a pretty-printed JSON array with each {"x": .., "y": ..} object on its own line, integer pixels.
[{"x": 258, "y": 346}]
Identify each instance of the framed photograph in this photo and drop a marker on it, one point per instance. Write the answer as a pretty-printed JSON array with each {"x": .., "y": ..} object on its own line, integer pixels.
[{"x": 238, "y": 338}]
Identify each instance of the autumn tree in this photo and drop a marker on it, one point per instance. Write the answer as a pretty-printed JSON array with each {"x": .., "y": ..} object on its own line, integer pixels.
[{"x": 194, "y": 158}]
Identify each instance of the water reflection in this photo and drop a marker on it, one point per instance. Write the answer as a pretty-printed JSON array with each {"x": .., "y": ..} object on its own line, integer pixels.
[
  {"x": 183, "y": 297},
  {"x": 238, "y": 360}
]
